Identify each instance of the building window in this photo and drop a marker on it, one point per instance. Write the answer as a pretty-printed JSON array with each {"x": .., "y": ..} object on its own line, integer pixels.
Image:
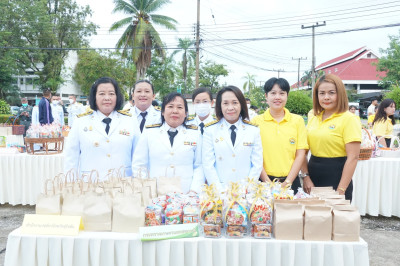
[
  {"x": 336, "y": 70},
  {"x": 21, "y": 81},
  {"x": 369, "y": 55},
  {"x": 329, "y": 71}
]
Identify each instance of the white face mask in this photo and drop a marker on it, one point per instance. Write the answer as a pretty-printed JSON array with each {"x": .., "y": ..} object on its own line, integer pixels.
[
  {"x": 55, "y": 102},
  {"x": 248, "y": 106},
  {"x": 202, "y": 109},
  {"x": 71, "y": 101}
]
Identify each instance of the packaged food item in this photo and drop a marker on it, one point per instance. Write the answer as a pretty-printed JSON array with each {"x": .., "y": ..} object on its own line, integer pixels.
[
  {"x": 191, "y": 213},
  {"x": 153, "y": 215},
  {"x": 261, "y": 230},
  {"x": 212, "y": 230},
  {"x": 173, "y": 214},
  {"x": 236, "y": 215},
  {"x": 211, "y": 212},
  {"x": 261, "y": 213}
]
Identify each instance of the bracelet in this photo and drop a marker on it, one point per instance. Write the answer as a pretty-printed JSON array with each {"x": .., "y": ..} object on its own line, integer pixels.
[
  {"x": 342, "y": 189},
  {"x": 288, "y": 183},
  {"x": 304, "y": 175}
]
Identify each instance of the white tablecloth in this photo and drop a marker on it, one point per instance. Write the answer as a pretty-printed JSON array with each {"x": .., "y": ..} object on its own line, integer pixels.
[
  {"x": 101, "y": 248},
  {"x": 377, "y": 187},
  {"x": 22, "y": 176}
]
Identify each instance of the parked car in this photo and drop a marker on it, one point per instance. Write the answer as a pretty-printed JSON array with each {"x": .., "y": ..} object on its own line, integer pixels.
[
  {"x": 363, "y": 112},
  {"x": 14, "y": 110}
]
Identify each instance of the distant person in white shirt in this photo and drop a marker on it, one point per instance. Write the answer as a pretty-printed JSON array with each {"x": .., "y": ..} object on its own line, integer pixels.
[
  {"x": 145, "y": 113},
  {"x": 57, "y": 110},
  {"x": 371, "y": 108},
  {"x": 74, "y": 109},
  {"x": 252, "y": 113},
  {"x": 130, "y": 104}
]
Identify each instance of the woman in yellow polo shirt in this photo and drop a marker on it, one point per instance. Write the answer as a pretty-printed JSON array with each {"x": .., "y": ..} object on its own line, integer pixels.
[
  {"x": 334, "y": 137},
  {"x": 384, "y": 121},
  {"x": 283, "y": 136}
]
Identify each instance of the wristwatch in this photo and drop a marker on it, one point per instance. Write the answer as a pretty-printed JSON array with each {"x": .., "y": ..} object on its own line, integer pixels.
[{"x": 303, "y": 175}]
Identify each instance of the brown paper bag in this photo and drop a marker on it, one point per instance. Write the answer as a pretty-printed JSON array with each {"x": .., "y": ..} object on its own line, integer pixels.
[
  {"x": 128, "y": 212},
  {"x": 167, "y": 185},
  {"x": 49, "y": 202},
  {"x": 288, "y": 221},
  {"x": 74, "y": 202},
  {"x": 331, "y": 202},
  {"x": 143, "y": 179},
  {"x": 317, "y": 223},
  {"x": 97, "y": 211},
  {"x": 332, "y": 196},
  {"x": 346, "y": 223}
]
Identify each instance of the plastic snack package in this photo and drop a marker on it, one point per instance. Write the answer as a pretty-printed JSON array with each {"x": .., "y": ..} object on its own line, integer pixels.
[
  {"x": 236, "y": 215},
  {"x": 261, "y": 231},
  {"x": 173, "y": 214},
  {"x": 153, "y": 215},
  {"x": 261, "y": 214},
  {"x": 191, "y": 213},
  {"x": 211, "y": 212}
]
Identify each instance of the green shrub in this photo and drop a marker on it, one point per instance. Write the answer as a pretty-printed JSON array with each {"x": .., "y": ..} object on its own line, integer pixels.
[
  {"x": 394, "y": 95},
  {"x": 4, "y": 118},
  {"x": 299, "y": 103},
  {"x": 4, "y": 107}
]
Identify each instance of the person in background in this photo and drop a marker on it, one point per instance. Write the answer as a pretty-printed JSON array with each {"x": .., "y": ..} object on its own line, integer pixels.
[
  {"x": 155, "y": 103},
  {"x": 57, "y": 110},
  {"x": 87, "y": 106},
  {"x": 35, "y": 113},
  {"x": 130, "y": 104},
  {"x": 105, "y": 137},
  {"x": 334, "y": 137},
  {"x": 371, "y": 108},
  {"x": 252, "y": 113},
  {"x": 74, "y": 109},
  {"x": 202, "y": 101},
  {"x": 172, "y": 147},
  {"x": 353, "y": 109},
  {"x": 45, "y": 114},
  {"x": 143, "y": 111},
  {"x": 283, "y": 136},
  {"x": 372, "y": 117},
  {"x": 232, "y": 147},
  {"x": 25, "y": 114},
  {"x": 382, "y": 126}
]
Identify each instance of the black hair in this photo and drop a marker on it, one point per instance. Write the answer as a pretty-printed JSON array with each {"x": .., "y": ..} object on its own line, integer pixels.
[
  {"x": 46, "y": 92},
  {"x": 353, "y": 106},
  {"x": 154, "y": 103},
  {"x": 247, "y": 99},
  {"x": 244, "y": 113},
  {"x": 142, "y": 81},
  {"x": 201, "y": 90},
  {"x": 93, "y": 92},
  {"x": 381, "y": 114},
  {"x": 281, "y": 82},
  {"x": 169, "y": 98}
]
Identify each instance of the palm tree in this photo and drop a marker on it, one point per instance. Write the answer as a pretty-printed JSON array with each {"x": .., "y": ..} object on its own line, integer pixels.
[
  {"x": 188, "y": 55},
  {"x": 250, "y": 82},
  {"x": 140, "y": 37}
]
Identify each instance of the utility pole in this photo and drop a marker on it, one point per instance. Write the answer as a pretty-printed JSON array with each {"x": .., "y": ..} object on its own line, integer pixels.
[
  {"x": 279, "y": 71},
  {"x": 313, "y": 49},
  {"x": 198, "y": 43},
  {"x": 298, "y": 70}
]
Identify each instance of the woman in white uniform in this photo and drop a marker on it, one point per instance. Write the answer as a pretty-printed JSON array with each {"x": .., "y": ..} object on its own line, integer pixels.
[
  {"x": 172, "y": 148},
  {"x": 232, "y": 147},
  {"x": 103, "y": 138}
]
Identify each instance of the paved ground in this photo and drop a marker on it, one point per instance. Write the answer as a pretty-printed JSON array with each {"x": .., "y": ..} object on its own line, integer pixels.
[{"x": 381, "y": 233}]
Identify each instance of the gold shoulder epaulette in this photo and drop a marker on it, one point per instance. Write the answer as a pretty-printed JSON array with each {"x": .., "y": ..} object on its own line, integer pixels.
[
  {"x": 211, "y": 123},
  {"x": 190, "y": 118},
  {"x": 192, "y": 127},
  {"x": 154, "y": 126},
  {"x": 124, "y": 112},
  {"x": 158, "y": 108},
  {"x": 249, "y": 123},
  {"x": 214, "y": 116},
  {"x": 86, "y": 113}
]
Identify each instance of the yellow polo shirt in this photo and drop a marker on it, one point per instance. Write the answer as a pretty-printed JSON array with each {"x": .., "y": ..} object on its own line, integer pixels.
[
  {"x": 371, "y": 119},
  {"x": 383, "y": 128},
  {"x": 280, "y": 141},
  {"x": 328, "y": 138}
]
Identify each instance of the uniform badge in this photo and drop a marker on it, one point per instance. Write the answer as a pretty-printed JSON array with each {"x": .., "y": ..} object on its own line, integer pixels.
[
  {"x": 248, "y": 143},
  {"x": 85, "y": 129},
  {"x": 332, "y": 126},
  {"x": 124, "y": 132},
  {"x": 96, "y": 144},
  {"x": 190, "y": 143},
  {"x": 292, "y": 141}
]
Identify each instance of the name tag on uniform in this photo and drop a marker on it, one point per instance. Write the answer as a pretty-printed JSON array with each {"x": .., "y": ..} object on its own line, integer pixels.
[
  {"x": 124, "y": 132},
  {"x": 190, "y": 143},
  {"x": 248, "y": 143}
]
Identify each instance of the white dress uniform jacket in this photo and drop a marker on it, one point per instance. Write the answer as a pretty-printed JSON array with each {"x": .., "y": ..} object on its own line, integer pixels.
[
  {"x": 223, "y": 162},
  {"x": 155, "y": 153},
  {"x": 74, "y": 110},
  {"x": 153, "y": 115},
  {"x": 89, "y": 147},
  {"x": 35, "y": 115},
  {"x": 58, "y": 114},
  {"x": 196, "y": 120}
]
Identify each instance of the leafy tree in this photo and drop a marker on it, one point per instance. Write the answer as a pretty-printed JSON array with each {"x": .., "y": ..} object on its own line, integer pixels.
[
  {"x": 299, "y": 103},
  {"x": 394, "y": 94},
  {"x": 250, "y": 82},
  {"x": 93, "y": 65},
  {"x": 4, "y": 108},
  {"x": 188, "y": 56},
  {"x": 390, "y": 63},
  {"x": 257, "y": 98},
  {"x": 140, "y": 37},
  {"x": 307, "y": 79},
  {"x": 162, "y": 73},
  {"x": 50, "y": 24},
  {"x": 210, "y": 73}
]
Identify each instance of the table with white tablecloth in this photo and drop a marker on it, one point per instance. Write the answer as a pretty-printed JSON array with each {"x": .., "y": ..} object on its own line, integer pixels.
[
  {"x": 22, "y": 176},
  {"x": 107, "y": 248},
  {"x": 377, "y": 187}
]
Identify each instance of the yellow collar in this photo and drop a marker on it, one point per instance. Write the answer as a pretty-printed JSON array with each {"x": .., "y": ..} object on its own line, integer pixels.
[{"x": 268, "y": 116}]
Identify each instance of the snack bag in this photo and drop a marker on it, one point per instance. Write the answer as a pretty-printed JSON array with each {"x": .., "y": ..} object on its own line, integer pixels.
[
  {"x": 191, "y": 213},
  {"x": 261, "y": 214},
  {"x": 173, "y": 214},
  {"x": 211, "y": 212},
  {"x": 153, "y": 215},
  {"x": 236, "y": 215}
]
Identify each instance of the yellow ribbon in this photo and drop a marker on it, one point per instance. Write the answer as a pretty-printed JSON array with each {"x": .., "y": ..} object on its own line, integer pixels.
[
  {"x": 249, "y": 182},
  {"x": 235, "y": 197},
  {"x": 259, "y": 195},
  {"x": 211, "y": 198}
]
